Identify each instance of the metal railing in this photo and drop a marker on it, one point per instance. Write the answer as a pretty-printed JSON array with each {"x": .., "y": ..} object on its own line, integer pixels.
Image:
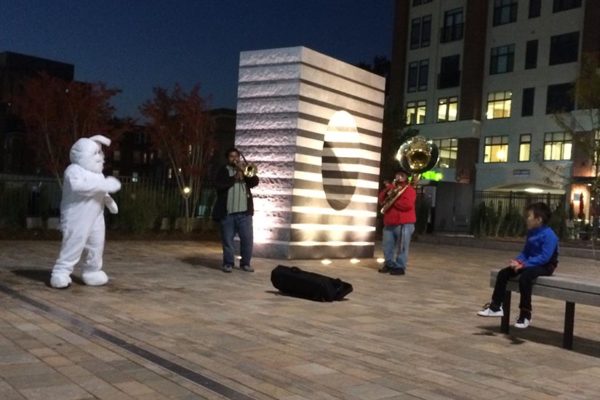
[
  {"x": 27, "y": 198},
  {"x": 502, "y": 202}
]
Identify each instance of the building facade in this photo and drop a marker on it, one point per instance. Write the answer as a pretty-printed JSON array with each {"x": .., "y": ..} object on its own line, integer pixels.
[
  {"x": 485, "y": 80},
  {"x": 15, "y": 69}
]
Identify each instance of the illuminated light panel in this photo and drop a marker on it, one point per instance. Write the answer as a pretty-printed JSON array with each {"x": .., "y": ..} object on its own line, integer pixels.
[
  {"x": 319, "y": 194},
  {"x": 380, "y": 260},
  {"x": 317, "y": 177},
  {"x": 326, "y": 261},
  {"x": 325, "y": 211},
  {"x": 332, "y": 227},
  {"x": 318, "y": 145},
  {"x": 312, "y": 126},
  {"x": 330, "y": 243},
  {"x": 534, "y": 190},
  {"x": 354, "y": 261}
]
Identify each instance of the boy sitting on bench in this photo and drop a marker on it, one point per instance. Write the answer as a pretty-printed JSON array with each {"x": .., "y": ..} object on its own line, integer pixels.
[{"x": 538, "y": 258}]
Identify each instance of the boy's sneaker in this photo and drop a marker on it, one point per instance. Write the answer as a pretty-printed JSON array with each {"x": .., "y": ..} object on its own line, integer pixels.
[
  {"x": 397, "y": 271},
  {"x": 490, "y": 310},
  {"x": 247, "y": 268},
  {"x": 523, "y": 321},
  {"x": 227, "y": 268}
]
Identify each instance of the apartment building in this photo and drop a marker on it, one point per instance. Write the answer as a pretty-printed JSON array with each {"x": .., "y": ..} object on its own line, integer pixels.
[
  {"x": 485, "y": 79},
  {"x": 15, "y": 69}
]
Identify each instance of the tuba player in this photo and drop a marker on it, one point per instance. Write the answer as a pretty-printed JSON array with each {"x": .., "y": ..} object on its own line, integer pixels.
[{"x": 399, "y": 217}]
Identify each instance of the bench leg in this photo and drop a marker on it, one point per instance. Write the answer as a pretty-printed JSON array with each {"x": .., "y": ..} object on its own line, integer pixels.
[
  {"x": 505, "y": 322},
  {"x": 569, "y": 323}
]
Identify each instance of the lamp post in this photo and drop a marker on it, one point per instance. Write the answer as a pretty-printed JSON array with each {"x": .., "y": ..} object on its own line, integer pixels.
[{"x": 186, "y": 192}]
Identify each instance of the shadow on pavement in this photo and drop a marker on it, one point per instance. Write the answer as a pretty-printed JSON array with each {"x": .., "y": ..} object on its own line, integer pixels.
[
  {"x": 202, "y": 262},
  {"x": 41, "y": 275},
  {"x": 516, "y": 336}
]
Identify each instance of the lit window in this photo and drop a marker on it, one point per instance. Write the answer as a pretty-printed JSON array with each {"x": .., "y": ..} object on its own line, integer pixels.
[
  {"x": 498, "y": 105},
  {"x": 525, "y": 148},
  {"x": 448, "y": 151},
  {"x": 557, "y": 146},
  {"x": 447, "y": 109},
  {"x": 415, "y": 112},
  {"x": 496, "y": 149}
]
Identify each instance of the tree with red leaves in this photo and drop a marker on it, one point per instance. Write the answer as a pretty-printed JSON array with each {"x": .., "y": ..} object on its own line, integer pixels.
[
  {"x": 180, "y": 126},
  {"x": 56, "y": 113}
]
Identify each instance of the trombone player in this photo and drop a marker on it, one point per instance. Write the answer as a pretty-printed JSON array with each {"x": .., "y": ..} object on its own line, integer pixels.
[
  {"x": 399, "y": 217},
  {"x": 234, "y": 208}
]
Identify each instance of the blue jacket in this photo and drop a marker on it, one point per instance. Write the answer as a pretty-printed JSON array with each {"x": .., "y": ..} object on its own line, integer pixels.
[{"x": 541, "y": 247}]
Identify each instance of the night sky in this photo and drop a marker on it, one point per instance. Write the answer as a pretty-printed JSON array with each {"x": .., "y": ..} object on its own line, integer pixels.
[{"x": 136, "y": 45}]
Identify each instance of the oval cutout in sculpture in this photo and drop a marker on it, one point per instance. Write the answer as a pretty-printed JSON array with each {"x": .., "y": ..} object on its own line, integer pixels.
[{"x": 340, "y": 161}]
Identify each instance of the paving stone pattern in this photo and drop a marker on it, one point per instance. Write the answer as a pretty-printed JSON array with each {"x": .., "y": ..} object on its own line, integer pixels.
[{"x": 233, "y": 336}]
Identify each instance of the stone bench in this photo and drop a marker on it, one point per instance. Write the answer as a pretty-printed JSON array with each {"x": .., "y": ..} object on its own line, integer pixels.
[{"x": 571, "y": 289}]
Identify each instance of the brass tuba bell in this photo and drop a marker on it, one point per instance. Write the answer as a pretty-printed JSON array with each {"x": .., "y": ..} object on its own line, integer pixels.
[{"x": 417, "y": 155}]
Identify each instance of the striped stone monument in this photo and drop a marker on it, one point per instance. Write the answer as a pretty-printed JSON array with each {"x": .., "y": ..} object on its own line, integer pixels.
[{"x": 312, "y": 125}]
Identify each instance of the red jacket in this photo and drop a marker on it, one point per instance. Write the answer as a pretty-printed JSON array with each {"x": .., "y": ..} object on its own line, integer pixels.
[{"x": 403, "y": 210}]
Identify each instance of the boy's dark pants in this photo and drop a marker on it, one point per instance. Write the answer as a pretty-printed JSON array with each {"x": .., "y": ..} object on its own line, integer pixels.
[{"x": 527, "y": 275}]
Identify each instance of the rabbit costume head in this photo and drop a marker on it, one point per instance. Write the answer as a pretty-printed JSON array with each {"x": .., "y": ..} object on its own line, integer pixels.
[{"x": 87, "y": 153}]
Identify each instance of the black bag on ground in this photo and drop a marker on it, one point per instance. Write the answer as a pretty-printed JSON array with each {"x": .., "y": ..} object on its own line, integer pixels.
[{"x": 308, "y": 285}]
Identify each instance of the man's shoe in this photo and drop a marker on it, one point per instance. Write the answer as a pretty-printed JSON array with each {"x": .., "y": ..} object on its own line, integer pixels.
[
  {"x": 227, "y": 268},
  {"x": 491, "y": 311},
  {"x": 523, "y": 321},
  {"x": 247, "y": 268},
  {"x": 385, "y": 269},
  {"x": 397, "y": 271}
]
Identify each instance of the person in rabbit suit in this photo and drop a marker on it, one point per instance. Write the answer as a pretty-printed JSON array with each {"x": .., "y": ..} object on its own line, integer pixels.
[{"x": 85, "y": 194}]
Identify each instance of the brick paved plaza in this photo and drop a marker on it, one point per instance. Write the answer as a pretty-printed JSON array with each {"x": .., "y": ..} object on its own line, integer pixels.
[{"x": 171, "y": 325}]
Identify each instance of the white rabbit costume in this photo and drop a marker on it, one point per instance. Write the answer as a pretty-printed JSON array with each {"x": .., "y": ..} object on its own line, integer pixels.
[{"x": 85, "y": 193}]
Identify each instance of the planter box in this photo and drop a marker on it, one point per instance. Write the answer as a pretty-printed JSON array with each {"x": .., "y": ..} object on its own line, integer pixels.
[
  {"x": 165, "y": 224},
  {"x": 53, "y": 223},
  {"x": 33, "y": 223}
]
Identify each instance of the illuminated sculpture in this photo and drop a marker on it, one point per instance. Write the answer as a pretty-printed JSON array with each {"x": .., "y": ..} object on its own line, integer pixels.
[
  {"x": 85, "y": 193},
  {"x": 313, "y": 126}
]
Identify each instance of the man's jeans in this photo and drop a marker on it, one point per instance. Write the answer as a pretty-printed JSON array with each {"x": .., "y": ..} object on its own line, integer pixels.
[
  {"x": 240, "y": 224},
  {"x": 395, "y": 242}
]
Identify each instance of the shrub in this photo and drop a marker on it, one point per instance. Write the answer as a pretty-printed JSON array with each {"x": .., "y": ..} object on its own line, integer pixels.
[
  {"x": 512, "y": 223},
  {"x": 13, "y": 205},
  {"x": 138, "y": 209}
]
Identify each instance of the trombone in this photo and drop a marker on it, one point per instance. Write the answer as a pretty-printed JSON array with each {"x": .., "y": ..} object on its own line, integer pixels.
[{"x": 247, "y": 169}]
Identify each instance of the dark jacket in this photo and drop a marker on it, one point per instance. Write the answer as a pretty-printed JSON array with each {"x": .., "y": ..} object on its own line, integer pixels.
[{"x": 222, "y": 184}]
